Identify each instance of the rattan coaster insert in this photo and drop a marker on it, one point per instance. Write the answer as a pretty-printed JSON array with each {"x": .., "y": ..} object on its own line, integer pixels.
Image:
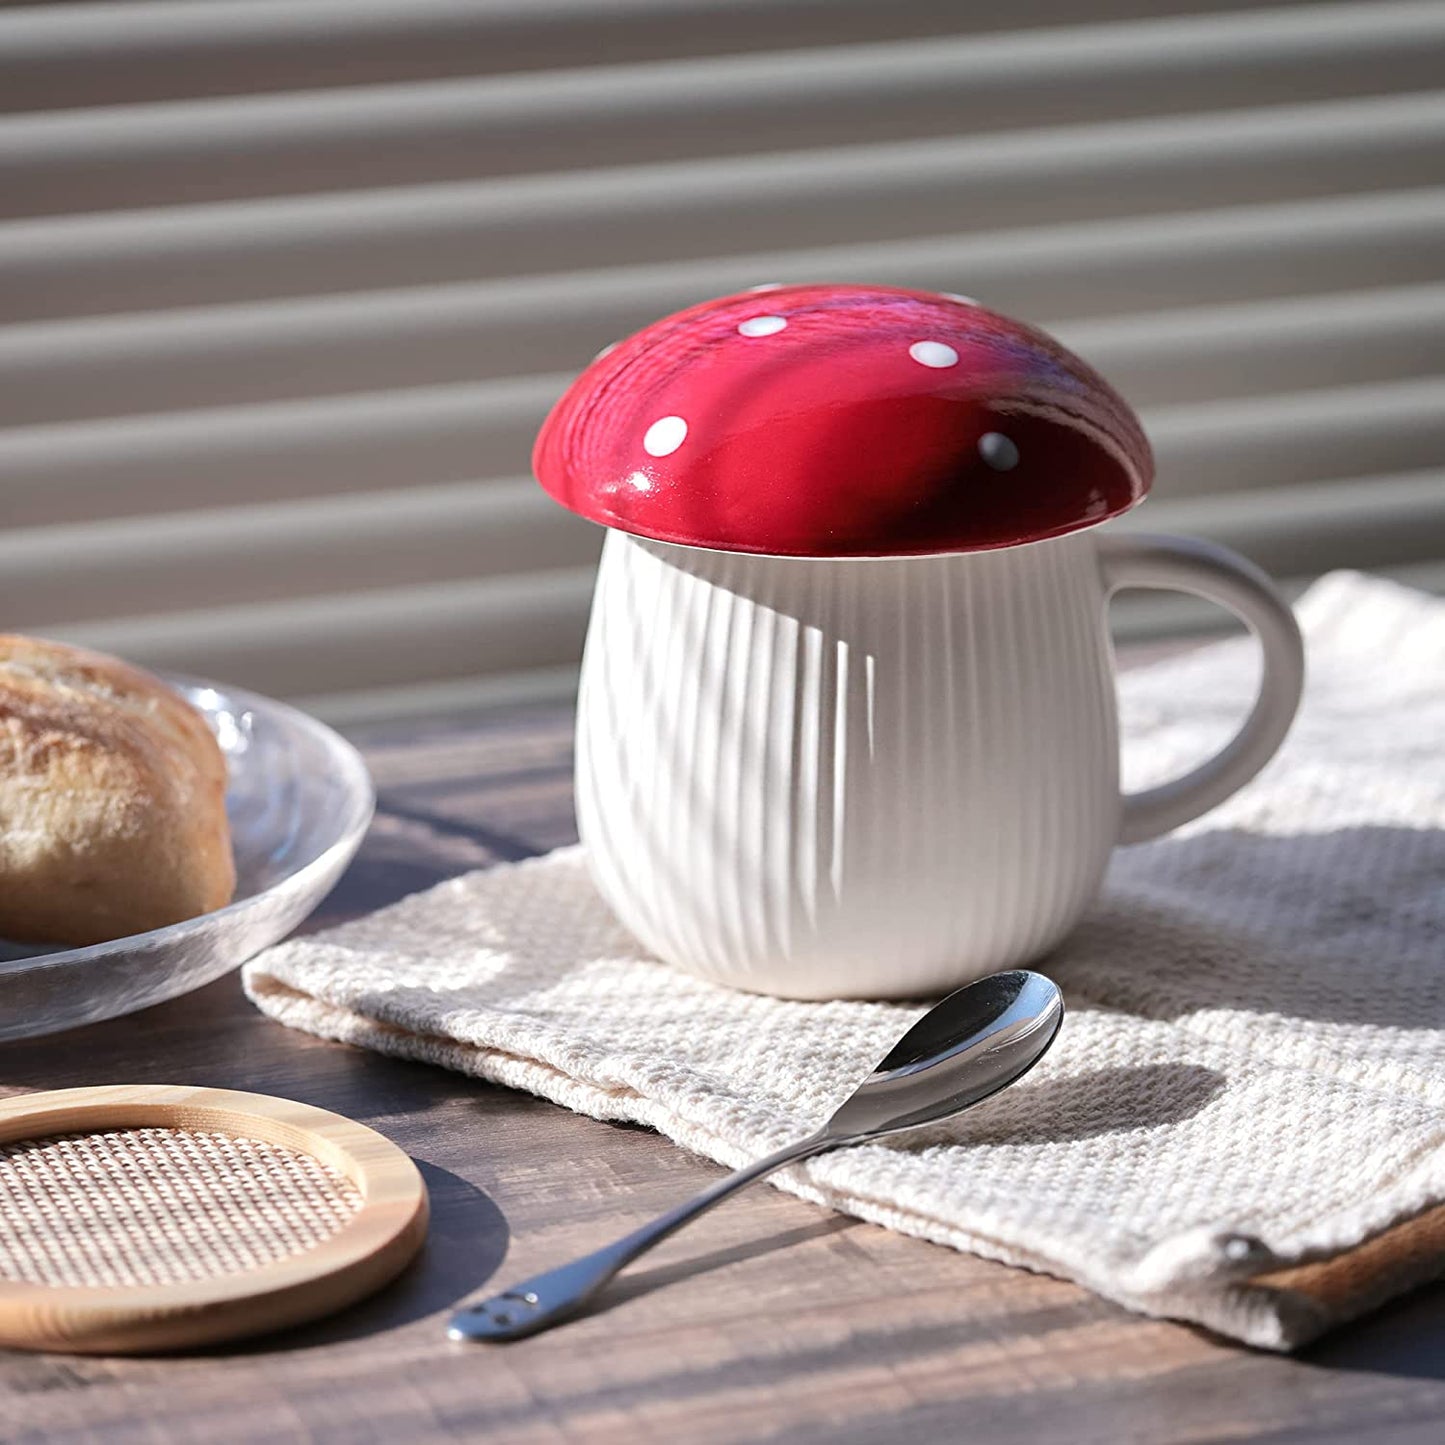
[{"x": 151, "y": 1217}]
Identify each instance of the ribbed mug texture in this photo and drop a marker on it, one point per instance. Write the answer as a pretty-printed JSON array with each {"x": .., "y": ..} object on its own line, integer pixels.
[{"x": 826, "y": 778}]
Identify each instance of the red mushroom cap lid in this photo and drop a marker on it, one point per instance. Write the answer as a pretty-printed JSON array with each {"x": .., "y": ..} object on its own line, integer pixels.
[{"x": 831, "y": 421}]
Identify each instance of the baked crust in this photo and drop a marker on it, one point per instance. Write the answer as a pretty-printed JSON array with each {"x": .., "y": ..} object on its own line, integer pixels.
[{"x": 112, "y": 799}]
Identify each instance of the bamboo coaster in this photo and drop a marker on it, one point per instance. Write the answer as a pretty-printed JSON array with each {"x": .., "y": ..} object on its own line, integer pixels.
[{"x": 144, "y": 1218}]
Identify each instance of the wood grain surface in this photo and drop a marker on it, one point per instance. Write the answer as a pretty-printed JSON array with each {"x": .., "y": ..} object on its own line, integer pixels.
[{"x": 770, "y": 1319}]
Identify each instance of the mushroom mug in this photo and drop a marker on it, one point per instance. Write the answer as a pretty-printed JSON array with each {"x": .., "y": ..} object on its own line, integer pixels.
[{"x": 847, "y": 719}]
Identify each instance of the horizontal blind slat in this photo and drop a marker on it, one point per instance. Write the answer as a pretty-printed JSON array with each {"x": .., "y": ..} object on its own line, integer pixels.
[
  {"x": 447, "y": 129},
  {"x": 135, "y": 261},
  {"x": 234, "y": 555},
  {"x": 1331, "y": 433},
  {"x": 232, "y": 354},
  {"x": 391, "y": 637},
  {"x": 1361, "y": 522},
  {"x": 128, "y": 467},
  {"x": 1214, "y": 353},
  {"x": 56, "y": 56},
  {"x": 203, "y": 560},
  {"x": 64, "y": 474}
]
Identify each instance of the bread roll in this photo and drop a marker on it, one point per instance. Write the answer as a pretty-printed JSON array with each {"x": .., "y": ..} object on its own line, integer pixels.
[{"x": 112, "y": 799}]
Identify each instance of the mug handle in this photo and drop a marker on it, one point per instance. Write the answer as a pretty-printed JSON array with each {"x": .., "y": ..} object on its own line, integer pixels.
[{"x": 1215, "y": 573}]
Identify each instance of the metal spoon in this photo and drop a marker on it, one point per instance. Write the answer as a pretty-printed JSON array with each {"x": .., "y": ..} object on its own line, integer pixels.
[{"x": 979, "y": 1040}]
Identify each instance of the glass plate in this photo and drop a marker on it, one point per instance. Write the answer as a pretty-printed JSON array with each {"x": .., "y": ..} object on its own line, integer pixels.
[{"x": 299, "y": 802}]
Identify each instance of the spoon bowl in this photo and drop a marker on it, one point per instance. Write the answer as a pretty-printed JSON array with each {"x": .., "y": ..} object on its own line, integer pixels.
[{"x": 980, "y": 1039}]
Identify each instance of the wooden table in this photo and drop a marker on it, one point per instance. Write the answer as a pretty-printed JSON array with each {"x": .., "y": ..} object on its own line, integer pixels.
[{"x": 769, "y": 1319}]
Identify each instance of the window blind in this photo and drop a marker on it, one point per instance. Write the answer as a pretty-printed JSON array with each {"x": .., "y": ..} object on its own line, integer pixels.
[{"x": 286, "y": 286}]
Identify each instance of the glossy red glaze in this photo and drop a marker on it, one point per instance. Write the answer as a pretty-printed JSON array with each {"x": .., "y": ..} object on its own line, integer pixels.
[{"x": 868, "y": 423}]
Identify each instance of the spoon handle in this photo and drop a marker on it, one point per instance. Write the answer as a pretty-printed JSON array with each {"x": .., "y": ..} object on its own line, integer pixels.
[{"x": 546, "y": 1299}]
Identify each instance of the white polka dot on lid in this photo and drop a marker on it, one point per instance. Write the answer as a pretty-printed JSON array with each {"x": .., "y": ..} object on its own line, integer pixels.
[
  {"x": 768, "y": 286},
  {"x": 936, "y": 354},
  {"x": 960, "y": 298},
  {"x": 761, "y": 326},
  {"x": 998, "y": 451},
  {"x": 664, "y": 436}
]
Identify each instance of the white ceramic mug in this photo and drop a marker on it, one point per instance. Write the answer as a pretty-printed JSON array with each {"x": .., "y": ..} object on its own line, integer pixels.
[{"x": 881, "y": 777}]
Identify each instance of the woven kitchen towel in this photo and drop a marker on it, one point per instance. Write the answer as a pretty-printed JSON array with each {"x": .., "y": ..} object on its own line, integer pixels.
[{"x": 1242, "y": 1122}]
